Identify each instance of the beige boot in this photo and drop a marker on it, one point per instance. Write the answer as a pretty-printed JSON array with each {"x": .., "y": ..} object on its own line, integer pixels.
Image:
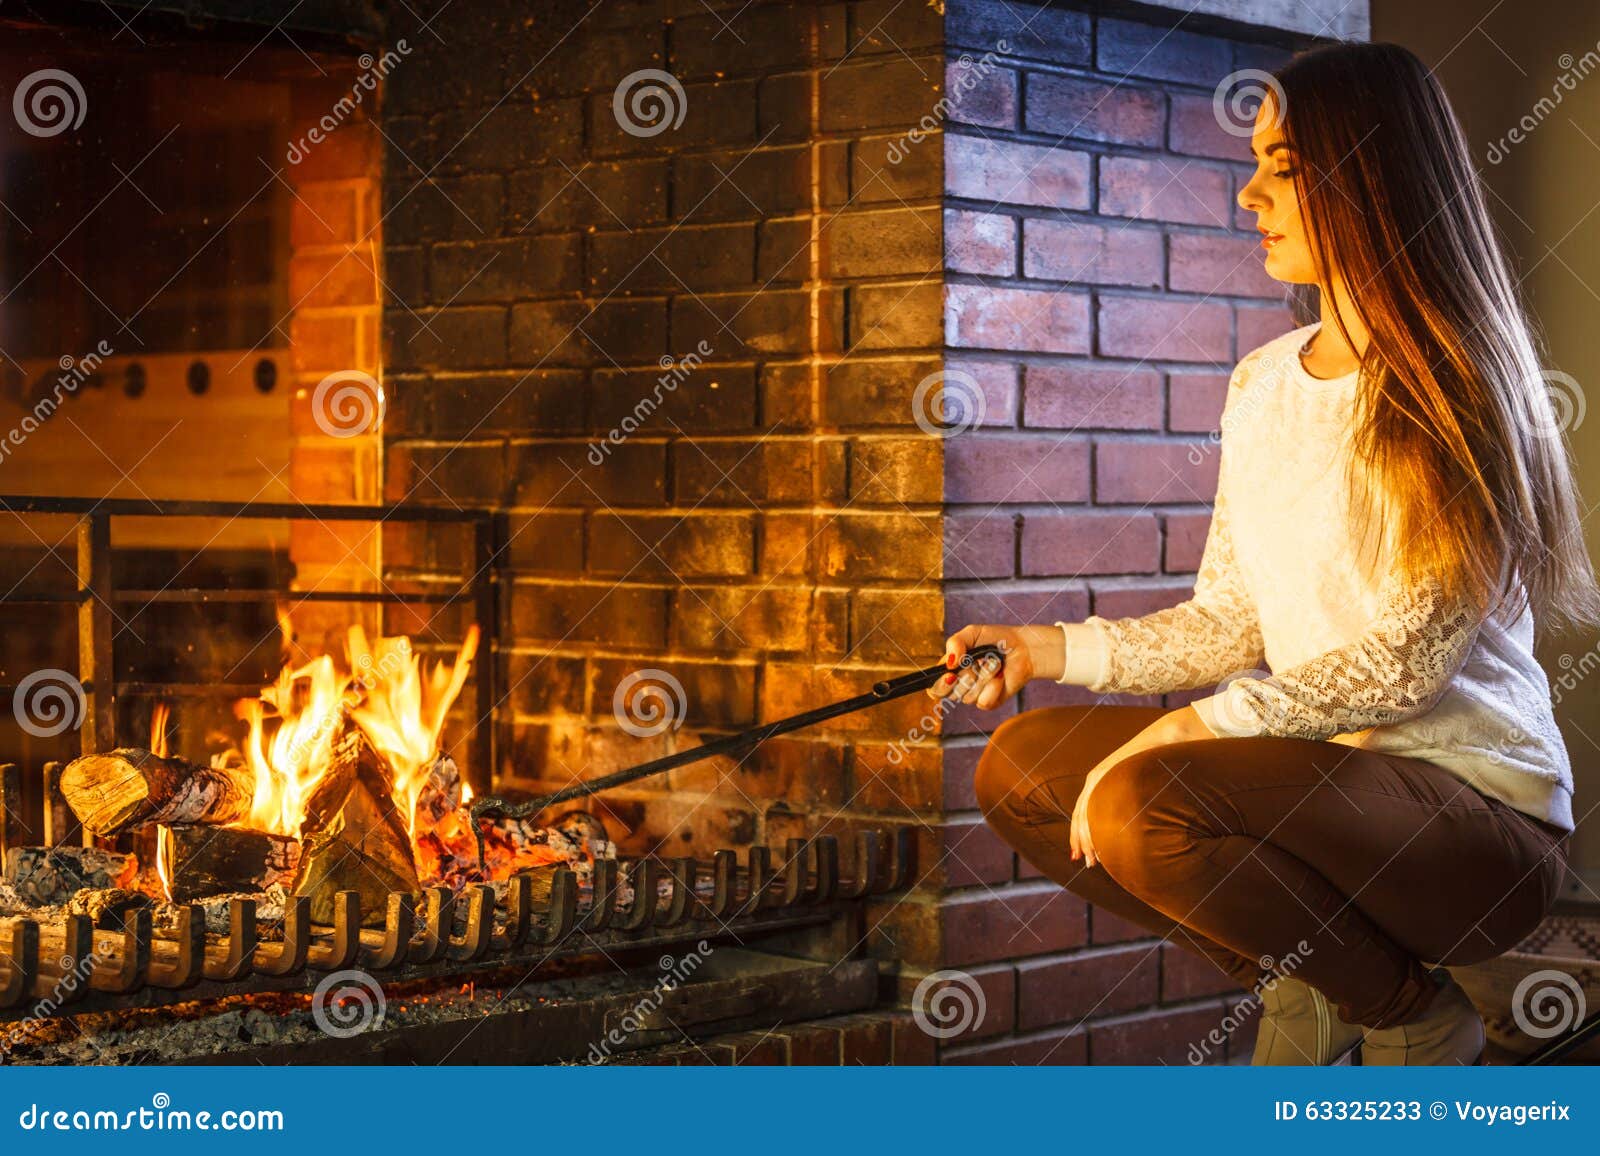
[
  {"x": 1300, "y": 1026},
  {"x": 1450, "y": 1031}
]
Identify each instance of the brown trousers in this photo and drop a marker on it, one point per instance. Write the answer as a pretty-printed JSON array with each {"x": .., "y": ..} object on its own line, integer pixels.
[{"x": 1240, "y": 849}]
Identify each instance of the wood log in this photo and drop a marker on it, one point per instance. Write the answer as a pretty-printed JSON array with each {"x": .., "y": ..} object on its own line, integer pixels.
[
  {"x": 205, "y": 861},
  {"x": 45, "y": 876},
  {"x": 126, "y": 788},
  {"x": 440, "y": 794},
  {"x": 354, "y": 837},
  {"x": 108, "y": 906}
]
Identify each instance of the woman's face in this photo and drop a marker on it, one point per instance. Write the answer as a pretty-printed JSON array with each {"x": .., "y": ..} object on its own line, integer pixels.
[{"x": 1270, "y": 194}]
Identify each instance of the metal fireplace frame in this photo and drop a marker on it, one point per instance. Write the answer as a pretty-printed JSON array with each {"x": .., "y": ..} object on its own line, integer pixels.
[{"x": 96, "y": 593}]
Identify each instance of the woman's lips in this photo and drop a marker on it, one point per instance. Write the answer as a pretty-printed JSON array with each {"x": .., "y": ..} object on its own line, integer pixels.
[{"x": 1268, "y": 240}]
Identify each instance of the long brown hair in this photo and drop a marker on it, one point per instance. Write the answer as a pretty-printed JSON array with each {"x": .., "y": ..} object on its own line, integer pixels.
[{"x": 1454, "y": 416}]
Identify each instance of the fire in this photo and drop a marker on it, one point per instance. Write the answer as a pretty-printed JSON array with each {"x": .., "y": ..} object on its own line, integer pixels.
[
  {"x": 163, "y": 853},
  {"x": 381, "y": 689},
  {"x": 402, "y": 713},
  {"x": 159, "y": 715}
]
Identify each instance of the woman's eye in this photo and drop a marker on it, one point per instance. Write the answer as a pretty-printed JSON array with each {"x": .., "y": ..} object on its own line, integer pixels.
[{"x": 1284, "y": 173}]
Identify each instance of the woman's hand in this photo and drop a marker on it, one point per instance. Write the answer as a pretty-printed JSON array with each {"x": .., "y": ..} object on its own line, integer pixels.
[
  {"x": 1176, "y": 726},
  {"x": 1028, "y": 652}
]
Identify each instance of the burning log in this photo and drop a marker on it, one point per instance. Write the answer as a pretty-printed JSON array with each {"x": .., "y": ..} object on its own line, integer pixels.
[
  {"x": 125, "y": 788},
  {"x": 206, "y": 861},
  {"x": 46, "y": 876},
  {"x": 354, "y": 837}
]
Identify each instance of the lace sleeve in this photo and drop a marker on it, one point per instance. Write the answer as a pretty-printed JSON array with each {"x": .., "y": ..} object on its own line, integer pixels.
[
  {"x": 1195, "y": 643},
  {"x": 1397, "y": 670}
]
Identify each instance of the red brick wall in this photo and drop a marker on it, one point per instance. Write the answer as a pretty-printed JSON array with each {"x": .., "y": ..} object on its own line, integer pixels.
[
  {"x": 1059, "y": 230},
  {"x": 1100, "y": 286},
  {"x": 770, "y": 536}
]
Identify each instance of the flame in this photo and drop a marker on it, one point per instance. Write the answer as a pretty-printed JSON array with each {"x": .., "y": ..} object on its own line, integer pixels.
[
  {"x": 159, "y": 715},
  {"x": 382, "y": 689},
  {"x": 402, "y": 712},
  {"x": 163, "y": 852}
]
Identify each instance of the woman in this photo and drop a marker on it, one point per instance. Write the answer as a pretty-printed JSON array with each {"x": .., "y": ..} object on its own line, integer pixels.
[{"x": 1395, "y": 507}]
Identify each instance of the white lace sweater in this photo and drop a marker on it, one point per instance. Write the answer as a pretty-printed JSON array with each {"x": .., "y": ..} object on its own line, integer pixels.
[{"x": 1388, "y": 669}]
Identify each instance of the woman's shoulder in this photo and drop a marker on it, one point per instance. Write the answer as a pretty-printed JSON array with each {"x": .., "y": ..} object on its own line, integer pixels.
[{"x": 1272, "y": 358}]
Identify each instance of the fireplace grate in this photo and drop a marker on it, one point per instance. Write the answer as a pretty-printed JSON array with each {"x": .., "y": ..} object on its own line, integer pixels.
[{"x": 70, "y": 966}]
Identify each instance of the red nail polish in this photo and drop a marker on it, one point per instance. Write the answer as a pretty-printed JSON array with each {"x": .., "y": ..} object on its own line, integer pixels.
[
  {"x": 950, "y": 661},
  {"x": 949, "y": 678}
]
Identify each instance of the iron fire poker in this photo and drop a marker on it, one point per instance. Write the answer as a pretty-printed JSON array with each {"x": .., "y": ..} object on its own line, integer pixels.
[{"x": 739, "y": 745}]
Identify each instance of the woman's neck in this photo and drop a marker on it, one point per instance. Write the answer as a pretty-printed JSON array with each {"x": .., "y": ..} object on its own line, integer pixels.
[{"x": 1330, "y": 354}]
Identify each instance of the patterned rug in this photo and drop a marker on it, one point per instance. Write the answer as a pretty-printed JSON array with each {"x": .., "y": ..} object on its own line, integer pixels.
[{"x": 1543, "y": 988}]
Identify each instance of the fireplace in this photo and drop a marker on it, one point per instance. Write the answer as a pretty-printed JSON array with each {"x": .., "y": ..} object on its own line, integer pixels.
[{"x": 624, "y": 348}]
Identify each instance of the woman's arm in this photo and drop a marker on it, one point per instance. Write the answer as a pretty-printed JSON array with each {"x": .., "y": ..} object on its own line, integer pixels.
[
  {"x": 1199, "y": 642},
  {"x": 1396, "y": 670}
]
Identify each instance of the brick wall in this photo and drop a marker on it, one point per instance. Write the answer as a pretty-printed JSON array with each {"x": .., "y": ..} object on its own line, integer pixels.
[
  {"x": 335, "y": 238},
  {"x": 770, "y": 535},
  {"x": 1100, "y": 286},
  {"x": 858, "y": 197}
]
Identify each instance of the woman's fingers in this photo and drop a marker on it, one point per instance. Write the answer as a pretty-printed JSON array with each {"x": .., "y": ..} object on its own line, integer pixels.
[{"x": 969, "y": 684}]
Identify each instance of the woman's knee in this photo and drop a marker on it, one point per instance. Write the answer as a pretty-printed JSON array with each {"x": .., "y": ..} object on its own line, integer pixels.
[
  {"x": 1004, "y": 768},
  {"x": 1120, "y": 818}
]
